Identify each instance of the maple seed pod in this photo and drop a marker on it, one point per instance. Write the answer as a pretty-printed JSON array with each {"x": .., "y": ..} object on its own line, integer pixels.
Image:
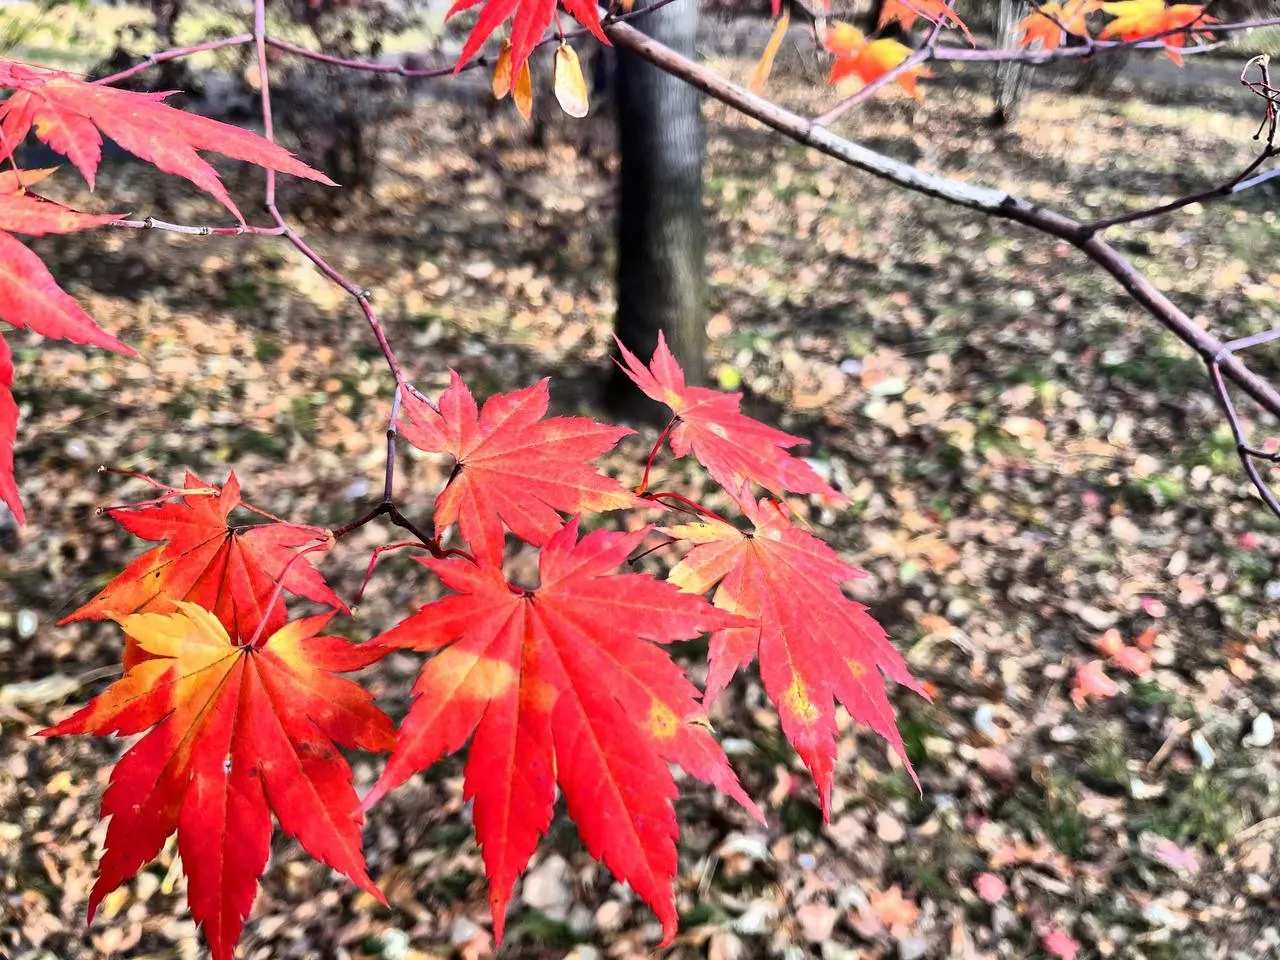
[
  {"x": 502, "y": 72},
  {"x": 522, "y": 91},
  {"x": 570, "y": 86}
]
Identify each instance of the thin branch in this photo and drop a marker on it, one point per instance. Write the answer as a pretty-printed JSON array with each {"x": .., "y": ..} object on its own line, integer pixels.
[
  {"x": 177, "y": 53},
  {"x": 360, "y": 295},
  {"x": 1237, "y": 184},
  {"x": 373, "y": 562},
  {"x": 151, "y": 223},
  {"x": 389, "y": 481},
  {"x": 653, "y": 454}
]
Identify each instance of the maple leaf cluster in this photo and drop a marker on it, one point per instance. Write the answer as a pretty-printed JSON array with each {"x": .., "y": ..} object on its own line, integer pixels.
[{"x": 568, "y": 685}]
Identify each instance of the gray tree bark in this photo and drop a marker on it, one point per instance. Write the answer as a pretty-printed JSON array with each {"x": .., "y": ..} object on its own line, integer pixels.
[
  {"x": 1011, "y": 76},
  {"x": 661, "y": 241}
]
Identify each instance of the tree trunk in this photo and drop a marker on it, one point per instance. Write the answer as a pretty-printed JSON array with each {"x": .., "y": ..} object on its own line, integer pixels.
[
  {"x": 661, "y": 244},
  {"x": 1011, "y": 76}
]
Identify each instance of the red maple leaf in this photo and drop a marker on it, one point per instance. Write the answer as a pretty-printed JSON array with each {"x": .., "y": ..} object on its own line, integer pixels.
[
  {"x": 236, "y": 734},
  {"x": 71, "y": 116},
  {"x": 512, "y": 465},
  {"x": 561, "y": 684},
  {"x": 230, "y": 570},
  {"x": 815, "y": 645},
  {"x": 732, "y": 446},
  {"x": 31, "y": 298},
  {"x": 529, "y": 21}
]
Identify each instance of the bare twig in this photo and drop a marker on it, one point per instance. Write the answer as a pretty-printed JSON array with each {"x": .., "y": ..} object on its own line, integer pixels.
[{"x": 177, "y": 53}]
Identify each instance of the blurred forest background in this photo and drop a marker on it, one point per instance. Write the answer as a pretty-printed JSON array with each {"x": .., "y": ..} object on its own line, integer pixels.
[{"x": 1039, "y": 473}]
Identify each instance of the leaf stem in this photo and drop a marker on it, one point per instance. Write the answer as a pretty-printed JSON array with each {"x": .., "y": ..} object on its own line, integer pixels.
[
  {"x": 653, "y": 454},
  {"x": 689, "y": 506},
  {"x": 257, "y": 640},
  {"x": 373, "y": 562}
]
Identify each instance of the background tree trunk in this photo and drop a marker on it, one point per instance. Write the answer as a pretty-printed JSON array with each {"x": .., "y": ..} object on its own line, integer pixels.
[
  {"x": 1011, "y": 76},
  {"x": 661, "y": 242}
]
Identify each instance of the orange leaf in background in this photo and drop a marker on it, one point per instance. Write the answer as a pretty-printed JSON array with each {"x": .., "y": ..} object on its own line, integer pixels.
[
  {"x": 892, "y": 911},
  {"x": 870, "y": 60},
  {"x": 760, "y": 72},
  {"x": 529, "y": 21},
  {"x": 513, "y": 466},
  {"x": 522, "y": 91},
  {"x": 563, "y": 684},
  {"x": 814, "y": 644},
  {"x": 733, "y": 447},
  {"x": 1132, "y": 660},
  {"x": 1110, "y": 643},
  {"x": 71, "y": 116},
  {"x": 990, "y": 887},
  {"x": 31, "y": 298},
  {"x": 906, "y": 12},
  {"x": 1138, "y": 19},
  {"x": 502, "y": 72},
  {"x": 1092, "y": 681},
  {"x": 236, "y": 734},
  {"x": 1058, "y": 943},
  {"x": 229, "y": 570},
  {"x": 1047, "y": 25}
]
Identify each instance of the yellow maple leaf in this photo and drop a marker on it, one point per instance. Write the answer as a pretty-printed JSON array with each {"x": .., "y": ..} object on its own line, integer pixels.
[
  {"x": 1139, "y": 19},
  {"x": 869, "y": 60},
  {"x": 1048, "y": 24}
]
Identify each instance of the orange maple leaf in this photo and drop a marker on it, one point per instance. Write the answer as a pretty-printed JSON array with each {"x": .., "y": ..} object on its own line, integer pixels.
[
  {"x": 868, "y": 60},
  {"x": 1137, "y": 20},
  {"x": 236, "y": 734},
  {"x": 1047, "y": 25},
  {"x": 231, "y": 570},
  {"x": 563, "y": 684},
  {"x": 906, "y": 12},
  {"x": 815, "y": 645}
]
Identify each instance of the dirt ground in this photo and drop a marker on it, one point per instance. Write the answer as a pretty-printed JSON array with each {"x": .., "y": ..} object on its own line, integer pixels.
[{"x": 1032, "y": 463}]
